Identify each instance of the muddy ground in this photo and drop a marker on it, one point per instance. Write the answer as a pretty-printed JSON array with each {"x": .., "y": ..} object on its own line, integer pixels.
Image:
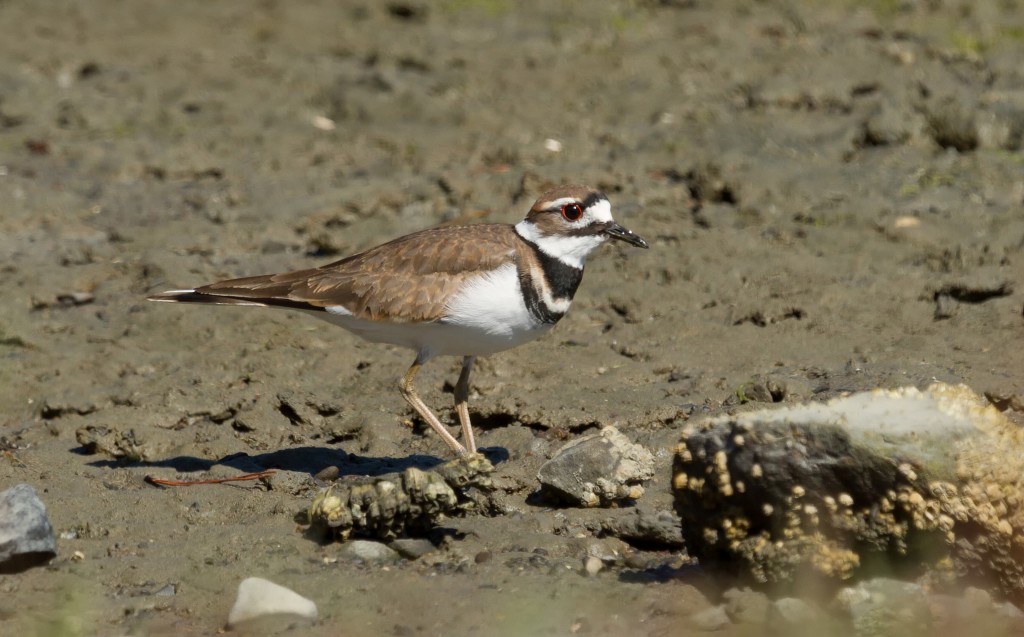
[{"x": 832, "y": 191}]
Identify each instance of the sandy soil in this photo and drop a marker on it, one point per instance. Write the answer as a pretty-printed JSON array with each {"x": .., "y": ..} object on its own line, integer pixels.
[{"x": 832, "y": 191}]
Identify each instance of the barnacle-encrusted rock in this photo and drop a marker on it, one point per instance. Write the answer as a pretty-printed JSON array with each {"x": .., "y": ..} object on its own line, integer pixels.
[
  {"x": 599, "y": 469},
  {"x": 918, "y": 482},
  {"x": 398, "y": 504}
]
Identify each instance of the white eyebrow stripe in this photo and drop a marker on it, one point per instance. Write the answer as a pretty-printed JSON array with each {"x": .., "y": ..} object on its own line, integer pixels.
[{"x": 558, "y": 203}]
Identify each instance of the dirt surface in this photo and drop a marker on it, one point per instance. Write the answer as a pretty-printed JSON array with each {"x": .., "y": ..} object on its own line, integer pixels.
[{"x": 832, "y": 191}]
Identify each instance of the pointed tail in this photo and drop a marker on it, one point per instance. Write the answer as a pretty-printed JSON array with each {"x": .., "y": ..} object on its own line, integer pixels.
[{"x": 191, "y": 296}]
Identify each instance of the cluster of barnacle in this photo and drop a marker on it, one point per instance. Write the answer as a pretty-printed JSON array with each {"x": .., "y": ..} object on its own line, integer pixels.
[
  {"x": 775, "y": 534},
  {"x": 776, "y": 540},
  {"x": 977, "y": 515},
  {"x": 987, "y": 510},
  {"x": 980, "y": 513},
  {"x": 399, "y": 504}
]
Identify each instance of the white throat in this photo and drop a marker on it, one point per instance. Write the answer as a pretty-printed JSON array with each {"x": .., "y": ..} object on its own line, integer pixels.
[{"x": 570, "y": 250}]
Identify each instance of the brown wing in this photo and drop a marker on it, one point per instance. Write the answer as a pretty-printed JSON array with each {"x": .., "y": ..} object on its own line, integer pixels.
[{"x": 409, "y": 279}]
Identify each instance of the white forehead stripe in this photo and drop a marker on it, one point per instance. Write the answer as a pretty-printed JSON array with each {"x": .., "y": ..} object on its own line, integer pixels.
[{"x": 600, "y": 211}]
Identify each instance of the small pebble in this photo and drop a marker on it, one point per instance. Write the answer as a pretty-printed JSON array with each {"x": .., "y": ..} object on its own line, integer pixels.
[
  {"x": 328, "y": 473},
  {"x": 592, "y": 565},
  {"x": 636, "y": 560},
  {"x": 323, "y": 123}
]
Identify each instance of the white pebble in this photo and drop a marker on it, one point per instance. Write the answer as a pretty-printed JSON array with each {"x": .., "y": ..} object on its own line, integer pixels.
[
  {"x": 553, "y": 145},
  {"x": 258, "y": 597},
  {"x": 323, "y": 123}
]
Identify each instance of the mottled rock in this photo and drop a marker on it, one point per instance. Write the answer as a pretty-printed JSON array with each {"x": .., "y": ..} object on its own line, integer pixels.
[
  {"x": 258, "y": 598},
  {"x": 597, "y": 470},
  {"x": 387, "y": 506},
  {"x": 659, "y": 527},
  {"x": 26, "y": 537},
  {"x": 369, "y": 551},
  {"x": 905, "y": 478}
]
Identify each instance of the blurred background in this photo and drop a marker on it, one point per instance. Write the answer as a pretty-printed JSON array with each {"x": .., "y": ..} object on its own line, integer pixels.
[{"x": 833, "y": 192}]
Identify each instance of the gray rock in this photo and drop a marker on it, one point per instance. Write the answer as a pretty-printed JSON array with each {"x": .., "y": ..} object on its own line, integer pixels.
[
  {"x": 714, "y": 618},
  {"x": 369, "y": 551},
  {"x": 412, "y": 548},
  {"x": 26, "y": 537},
  {"x": 298, "y": 483},
  {"x": 647, "y": 525},
  {"x": 259, "y": 598},
  {"x": 597, "y": 470}
]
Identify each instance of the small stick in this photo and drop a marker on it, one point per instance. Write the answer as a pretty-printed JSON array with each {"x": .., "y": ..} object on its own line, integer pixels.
[{"x": 188, "y": 483}]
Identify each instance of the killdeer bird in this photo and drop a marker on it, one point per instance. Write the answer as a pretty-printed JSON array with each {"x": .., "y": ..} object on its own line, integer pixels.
[{"x": 448, "y": 291}]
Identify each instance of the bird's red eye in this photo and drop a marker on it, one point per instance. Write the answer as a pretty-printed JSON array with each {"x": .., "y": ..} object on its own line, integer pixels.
[{"x": 572, "y": 211}]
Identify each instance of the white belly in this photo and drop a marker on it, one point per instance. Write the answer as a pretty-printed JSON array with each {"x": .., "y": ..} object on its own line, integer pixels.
[{"x": 487, "y": 316}]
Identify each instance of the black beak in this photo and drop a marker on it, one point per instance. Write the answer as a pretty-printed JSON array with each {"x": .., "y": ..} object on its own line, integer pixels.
[{"x": 617, "y": 231}]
